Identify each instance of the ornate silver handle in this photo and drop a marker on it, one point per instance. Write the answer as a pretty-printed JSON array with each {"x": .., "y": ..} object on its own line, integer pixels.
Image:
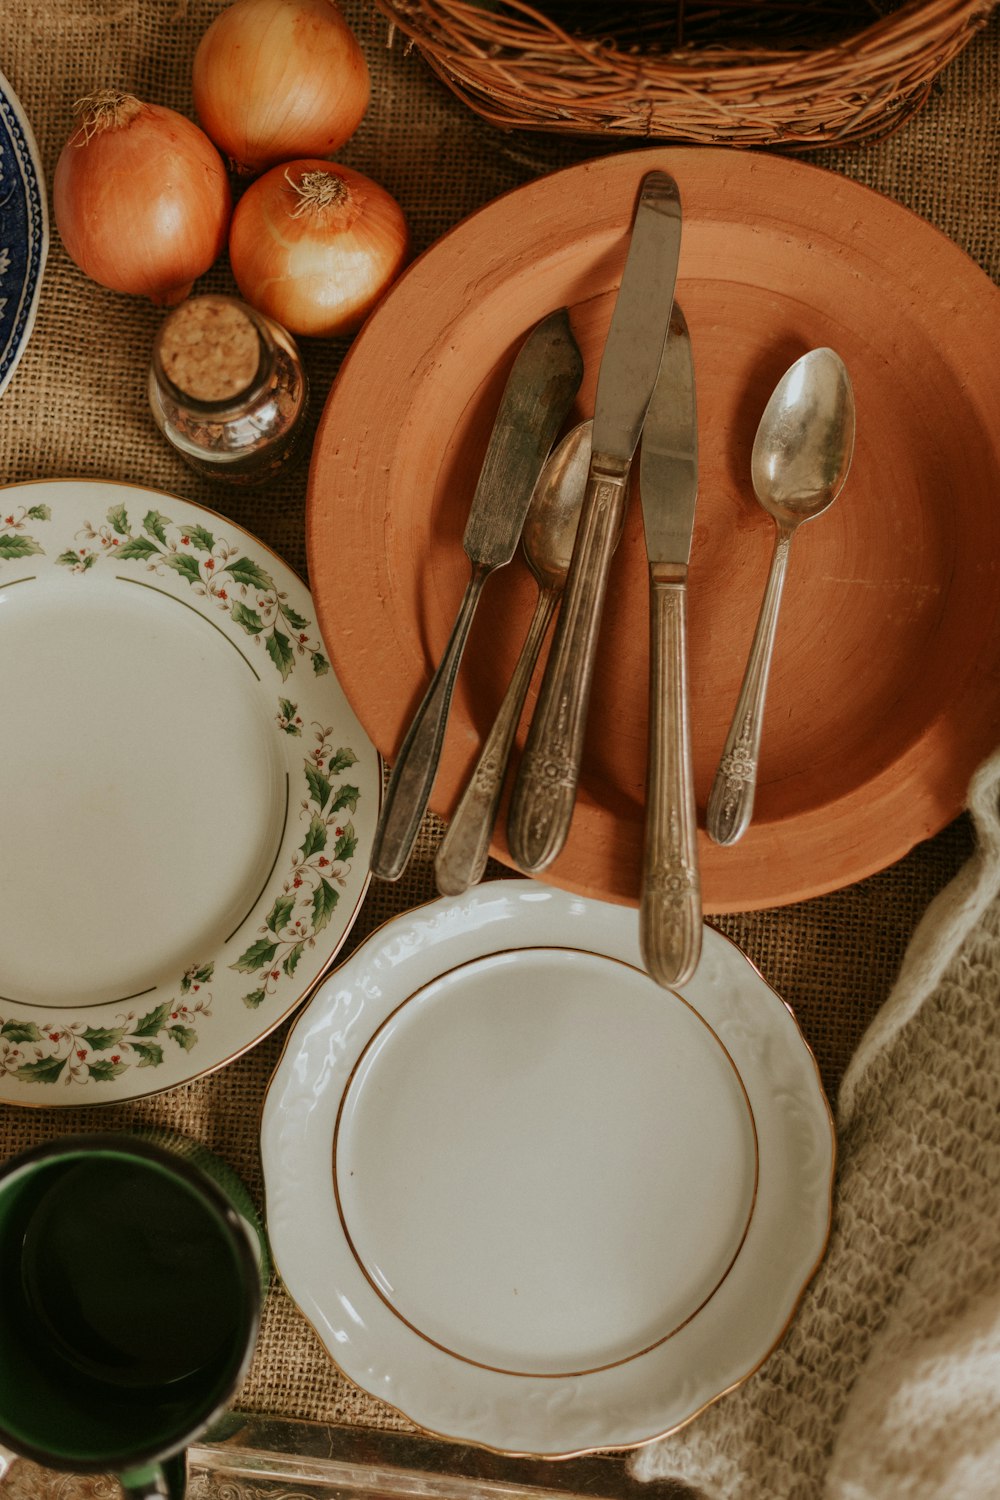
[
  {"x": 730, "y": 803},
  {"x": 670, "y": 902},
  {"x": 416, "y": 765},
  {"x": 465, "y": 848},
  {"x": 545, "y": 790}
]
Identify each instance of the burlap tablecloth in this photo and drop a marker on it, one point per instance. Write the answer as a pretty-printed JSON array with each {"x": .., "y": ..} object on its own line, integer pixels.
[{"x": 77, "y": 406}]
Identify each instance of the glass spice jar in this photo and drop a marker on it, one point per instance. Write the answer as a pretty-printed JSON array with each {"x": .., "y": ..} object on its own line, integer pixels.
[{"x": 228, "y": 389}]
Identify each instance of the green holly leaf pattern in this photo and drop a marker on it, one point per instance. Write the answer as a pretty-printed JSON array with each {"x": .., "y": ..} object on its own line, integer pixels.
[
  {"x": 150, "y": 1054},
  {"x": 291, "y": 963},
  {"x": 325, "y": 899},
  {"x": 346, "y": 843},
  {"x": 279, "y": 649},
  {"x": 45, "y": 1070},
  {"x": 153, "y": 1022},
  {"x": 103, "y": 1070},
  {"x": 118, "y": 519},
  {"x": 20, "y": 1031},
  {"x": 281, "y": 948},
  {"x": 184, "y": 1036},
  {"x": 39, "y": 513},
  {"x": 319, "y": 787},
  {"x": 197, "y": 976},
  {"x": 68, "y": 559},
  {"x": 315, "y": 838},
  {"x": 295, "y": 620},
  {"x": 100, "y": 1038},
  {"x": 340, "y": 760},
  {"x": 280, "y": 913},
  {"x": 201, "y": 538},
  {"x": 347, "y": 796},
  {"x": 184, "y": 564},
  {"x": 12, "y": 545},
  {"x": 246, "y": 571},
  {"x": 320, "y": 663},
  {"x": 138, "y": 549},
  {"x": 156, "y": 524},
  {"x": 257, "y": 956},
  {"x": 288, "y": 713},
  {"x": 248, "y": 618}
]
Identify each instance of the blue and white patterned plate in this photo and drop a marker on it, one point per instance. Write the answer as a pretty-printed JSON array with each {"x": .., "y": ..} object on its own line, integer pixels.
[{"x": 24, "y": 230}]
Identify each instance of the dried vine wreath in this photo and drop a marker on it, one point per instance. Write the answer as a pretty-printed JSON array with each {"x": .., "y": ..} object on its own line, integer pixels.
[{"x": 707, "y": 72}]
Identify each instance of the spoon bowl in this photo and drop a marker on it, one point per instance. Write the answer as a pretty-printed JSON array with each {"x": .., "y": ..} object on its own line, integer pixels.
[
  {"x": 805, "y": 439},
  {"x": 550, "y": 526},
  {"x": 801, "y": 457},
  {"x": 547, "y": 543}
]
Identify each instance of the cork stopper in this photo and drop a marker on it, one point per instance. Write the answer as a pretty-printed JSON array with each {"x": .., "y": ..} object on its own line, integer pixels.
[{"x": 210, "y": 349}]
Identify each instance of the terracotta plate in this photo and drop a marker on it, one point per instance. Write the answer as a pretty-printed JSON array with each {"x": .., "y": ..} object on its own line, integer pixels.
[{"x": 885, "y": 691}]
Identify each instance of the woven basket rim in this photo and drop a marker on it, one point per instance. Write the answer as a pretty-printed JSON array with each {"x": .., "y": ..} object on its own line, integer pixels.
[
  {"x": 518, "y": 67},
  {"x": 912, "y": 25}
]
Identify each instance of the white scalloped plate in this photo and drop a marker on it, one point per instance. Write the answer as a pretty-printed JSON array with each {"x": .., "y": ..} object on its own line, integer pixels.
[
  {"x": 24, "y": 230},
  {"x": 189, "y": 801},
  {"x": 528, "y": 1197}
]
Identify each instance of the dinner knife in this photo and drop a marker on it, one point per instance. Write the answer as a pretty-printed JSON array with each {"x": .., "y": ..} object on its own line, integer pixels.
[
  {"x": 540, "y": 389},
  {"x": 670, "y": 900},
  {"x": 545, "y": 789}
]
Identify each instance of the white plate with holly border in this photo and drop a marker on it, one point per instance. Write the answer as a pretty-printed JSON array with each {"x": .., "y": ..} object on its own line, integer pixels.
[{"x": 189, "y": 799}]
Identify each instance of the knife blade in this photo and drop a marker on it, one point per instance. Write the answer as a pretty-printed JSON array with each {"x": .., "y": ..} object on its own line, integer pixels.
[
  {"x": 539, "y": 392},
  {"x": 670, "y": 921},
  {"x": 545, "y": 789}
]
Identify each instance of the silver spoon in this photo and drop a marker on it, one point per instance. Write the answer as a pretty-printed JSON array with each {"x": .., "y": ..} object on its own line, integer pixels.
[
  {"x": 801, "y": 456},
  {"x": 547, "y": 542}
]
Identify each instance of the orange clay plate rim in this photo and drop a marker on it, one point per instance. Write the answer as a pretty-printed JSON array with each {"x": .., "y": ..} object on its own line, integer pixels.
[{"x": 885, "y": 689}]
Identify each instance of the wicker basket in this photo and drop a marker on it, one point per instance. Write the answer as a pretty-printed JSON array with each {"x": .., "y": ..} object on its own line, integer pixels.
[{"x": 800, "y": 76}]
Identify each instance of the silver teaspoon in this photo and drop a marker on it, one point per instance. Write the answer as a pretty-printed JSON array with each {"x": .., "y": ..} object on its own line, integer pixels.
[
  {"x": 801, "y": 457},
  {"x": 547, "y": 543}
]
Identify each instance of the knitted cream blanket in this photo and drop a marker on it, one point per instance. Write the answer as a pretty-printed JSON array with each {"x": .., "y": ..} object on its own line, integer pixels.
[{"x": 887, "y": 1385}]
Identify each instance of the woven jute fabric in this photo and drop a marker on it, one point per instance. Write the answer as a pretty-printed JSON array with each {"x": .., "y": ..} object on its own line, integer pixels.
[{"x": 77, "y": 407}]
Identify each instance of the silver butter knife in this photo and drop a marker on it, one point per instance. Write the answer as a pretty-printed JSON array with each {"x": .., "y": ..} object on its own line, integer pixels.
[
  {"x": 670, "y": 901},
  {"x": 545, "y": 789},
  {"x": 536, "y": 400}
]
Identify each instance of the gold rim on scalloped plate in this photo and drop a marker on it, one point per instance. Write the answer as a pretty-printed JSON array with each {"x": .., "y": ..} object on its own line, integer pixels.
[
  {"x": 528, "y": 1197},
  {"x": 189, "y": 799}
]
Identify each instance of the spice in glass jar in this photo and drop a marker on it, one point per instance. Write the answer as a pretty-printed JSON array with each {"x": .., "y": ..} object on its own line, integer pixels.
[{"x": 228, "y": 390}]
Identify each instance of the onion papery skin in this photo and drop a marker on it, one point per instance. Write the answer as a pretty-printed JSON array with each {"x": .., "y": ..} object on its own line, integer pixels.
[
  {"x": 142, "y": 201},
  {"x": 279, "y": 80},
  {"x": 317, "y": 270}
]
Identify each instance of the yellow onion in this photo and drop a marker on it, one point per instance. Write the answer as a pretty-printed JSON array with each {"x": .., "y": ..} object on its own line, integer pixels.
[
  {"x": 275, "y": 80},
  {"x": 314, "y": 245},
  {"x": 141, "y": 197}
]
